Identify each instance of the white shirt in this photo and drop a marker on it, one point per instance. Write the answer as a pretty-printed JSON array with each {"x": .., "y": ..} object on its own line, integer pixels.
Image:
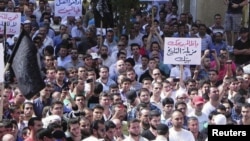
[
  {"x": 138, "y": 70},
  {"x": 157, "y": 104},
  {"x": 129, "y": 138},
  {"x": 106, "y": 85},
  {"x": 203, "y": 118},
  {"x": 64, "y": 61},
  {"x": 108, "y": 61},
  {"x": 111, "y": 46},
  {"x": 208, "y": 108},
  {"x": 48, "y": 41},
  {"x": 190, "y": 109},
  {"x": 183, "y": 135},
  {"x": 91, "y": 138},
  {"x": 38, "y": 13},
  {"x": 137, "y": 40},
  {"x": 160, "y": 138},
  {"x": 138, "y": 62},
  {"x": 175, "y": 72}
]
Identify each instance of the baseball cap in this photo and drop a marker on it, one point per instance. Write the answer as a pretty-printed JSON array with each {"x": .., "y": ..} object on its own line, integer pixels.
[
  {"x": 244, "y": 30},
  {"x": 198, "y": 100}
]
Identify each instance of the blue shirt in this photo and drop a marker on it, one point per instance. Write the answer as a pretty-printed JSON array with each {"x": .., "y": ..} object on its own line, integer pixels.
[
  {"x": 57, "y": 39},
  {"x": 38, "y": 105},
  {"x": 235, "y": 116},
  {"x": 132, "y": 114},
  {"x": 206, "y": 41},
  {"x": 203, "y": 74},
  {"x": 217, "y": 47}
]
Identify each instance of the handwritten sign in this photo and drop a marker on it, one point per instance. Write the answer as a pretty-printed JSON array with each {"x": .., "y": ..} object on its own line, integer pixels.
[
  {"x": 68, "y": 8},
  {"x": 101, "y": 31},
  {"x": 13, "y": 22},
  {"x": 182, "y": 51}
]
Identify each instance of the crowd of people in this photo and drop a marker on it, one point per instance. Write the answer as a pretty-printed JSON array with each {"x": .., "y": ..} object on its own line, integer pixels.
[{"x": 114, "y": 86}]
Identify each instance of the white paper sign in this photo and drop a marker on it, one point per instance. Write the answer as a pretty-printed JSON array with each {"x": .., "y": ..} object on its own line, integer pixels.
[
  {"x": 182, "y": 51},
  {"x": 13, "y": 22},
  {"x": 68, "y": 8},
  {"x": 101, "y": 31},
  {"x": 1, "y": 63}
]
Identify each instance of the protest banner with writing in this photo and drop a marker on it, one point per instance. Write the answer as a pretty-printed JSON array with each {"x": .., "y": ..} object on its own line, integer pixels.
[
  {"x": 68, "y": 8},
  {"x": 182, "y": 51},
  {"x": 13, "y": 22}
]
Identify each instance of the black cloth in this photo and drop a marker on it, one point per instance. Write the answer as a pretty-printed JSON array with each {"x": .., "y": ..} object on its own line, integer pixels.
[
  {"x": 25, "y": 65},
  {"x": 240, "y": 58},
  {"x": 86, "y": 44},
  {"x": 201, "y": 136},
  {"x": 93, "y": 100},
  {"x": 69, "y": 139},
  {"x": 237, "y": 10},
  {"x": 102, "y": 10},
  {"x": 146, "y": 74},
  {"x": 58, "y": 88},
  {"x": 148, "y": 135}
]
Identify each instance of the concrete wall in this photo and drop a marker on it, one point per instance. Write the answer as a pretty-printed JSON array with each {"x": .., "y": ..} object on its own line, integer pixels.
[
  {"x": 203, "y": 10},
  {"x": 206, "y": 9}
]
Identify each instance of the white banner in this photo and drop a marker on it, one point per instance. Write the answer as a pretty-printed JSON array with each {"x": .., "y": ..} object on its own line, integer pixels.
[
  {"x": 182, "y": 51},
  {"x": 13, "y": 22},
  {"x": 1, "y": 63},
  {"x": 68, "y": 8}
]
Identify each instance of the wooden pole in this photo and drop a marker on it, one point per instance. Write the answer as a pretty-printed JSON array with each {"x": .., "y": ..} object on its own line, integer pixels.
[
  {"x": 101, "y": 34},
  {"x": 2, "y": 80},
  {"x": 153, "y": 17},
  {"x": 1, "y": 101}
]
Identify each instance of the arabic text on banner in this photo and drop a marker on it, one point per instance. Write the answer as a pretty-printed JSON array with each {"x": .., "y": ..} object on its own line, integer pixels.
[
  {"x": 13, "y": 22},
  {"x": 68, "y": 8},
  {"x": 182, "y": 51}
]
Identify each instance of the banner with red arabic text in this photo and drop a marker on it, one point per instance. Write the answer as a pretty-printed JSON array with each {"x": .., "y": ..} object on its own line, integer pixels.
[
  {"x": 68, "y": 8},
  {"x": 13, "y": 22}
]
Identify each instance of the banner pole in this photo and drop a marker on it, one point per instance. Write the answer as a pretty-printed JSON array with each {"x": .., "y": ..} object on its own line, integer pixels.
[
  {"x": 101, "y": 34},
  {"x": 2, "y": 75}
]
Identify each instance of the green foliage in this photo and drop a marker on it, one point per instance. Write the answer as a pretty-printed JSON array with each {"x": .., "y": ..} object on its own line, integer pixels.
[{"x": 121, "y": 9}]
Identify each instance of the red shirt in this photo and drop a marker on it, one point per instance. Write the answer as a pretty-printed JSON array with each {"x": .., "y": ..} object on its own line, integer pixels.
[
  {"x": 143, "y": 51},
  {"x": 223, "y": 70}
]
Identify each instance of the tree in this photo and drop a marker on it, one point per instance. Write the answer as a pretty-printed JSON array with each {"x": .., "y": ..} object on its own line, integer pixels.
[{"x": 122, "y": 12}]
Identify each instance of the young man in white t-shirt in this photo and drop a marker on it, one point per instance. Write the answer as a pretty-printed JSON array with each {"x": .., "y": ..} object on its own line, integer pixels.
[{"x": 177, "y": 133}]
